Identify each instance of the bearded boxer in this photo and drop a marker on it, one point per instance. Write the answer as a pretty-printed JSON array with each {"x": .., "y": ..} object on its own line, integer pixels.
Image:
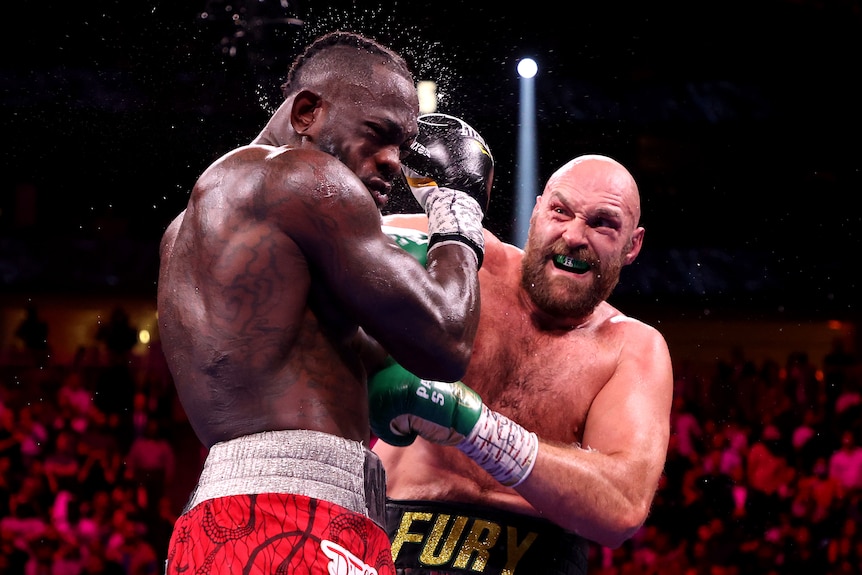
[
  {"x": 277, "y": 286},
  {"x": 561, "y": 436}
]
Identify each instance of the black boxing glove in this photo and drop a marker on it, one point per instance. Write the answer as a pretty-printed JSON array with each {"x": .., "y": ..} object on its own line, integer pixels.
[
  {"x": 450, "y": 171},
  {"x": 449, "y": 153}
]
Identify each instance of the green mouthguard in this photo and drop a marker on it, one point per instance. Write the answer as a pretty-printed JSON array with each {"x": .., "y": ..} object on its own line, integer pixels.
[{"x": 571, "y": 264}]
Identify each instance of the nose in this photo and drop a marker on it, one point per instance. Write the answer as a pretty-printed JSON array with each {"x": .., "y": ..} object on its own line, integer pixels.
[
  {"x": 575, "y": 232},
  {"x": 388, "y": 160}
]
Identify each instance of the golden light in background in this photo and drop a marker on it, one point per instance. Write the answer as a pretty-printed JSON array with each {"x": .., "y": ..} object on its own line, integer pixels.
[{"x": 427, "y": 91}]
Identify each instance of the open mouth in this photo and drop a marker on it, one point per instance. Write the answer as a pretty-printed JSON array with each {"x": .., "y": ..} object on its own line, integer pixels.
[
  {"x": 381, "y": 199},
  {"x": 570, "y": 264},
  {"x": 379, "y": 193}
]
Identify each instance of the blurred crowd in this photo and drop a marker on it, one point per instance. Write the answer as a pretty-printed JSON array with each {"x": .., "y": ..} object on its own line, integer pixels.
[
  {"x": 763, "y": 475},
  {"x": 89, "y": 455}
]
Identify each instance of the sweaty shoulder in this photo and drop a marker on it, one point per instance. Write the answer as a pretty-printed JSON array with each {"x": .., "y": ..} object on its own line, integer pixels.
[
  {"x": 267, "y": 183},
  {"x": 274, "y": 164},
  {"x": 612, "y": 319},
  {"x": 500, "y": 256}
]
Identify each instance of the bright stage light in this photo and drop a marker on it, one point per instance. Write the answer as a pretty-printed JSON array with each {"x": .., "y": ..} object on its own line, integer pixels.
[
  {"x": 527, "y": 68},
  {"x": 526, "y": 170}
]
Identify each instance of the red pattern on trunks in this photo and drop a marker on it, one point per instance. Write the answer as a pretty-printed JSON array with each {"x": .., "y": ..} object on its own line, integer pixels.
[{"x": 274, "y": 533}]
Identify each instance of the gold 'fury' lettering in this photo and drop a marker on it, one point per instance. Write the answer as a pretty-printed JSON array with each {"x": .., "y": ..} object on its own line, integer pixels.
[{"x": 443, "y": 545}]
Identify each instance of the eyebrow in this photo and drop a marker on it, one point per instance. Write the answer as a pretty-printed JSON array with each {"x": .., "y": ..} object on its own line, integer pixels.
[
  {"x": 601, "y": 211},
  {"x": 607, "y": 212},
  {"x": 391, "y": 128}
]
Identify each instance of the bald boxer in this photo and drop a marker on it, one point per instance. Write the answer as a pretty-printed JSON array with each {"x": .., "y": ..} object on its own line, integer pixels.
[
  {"x": 277, "y": 287},
  {"x": 561, "y": 436}
]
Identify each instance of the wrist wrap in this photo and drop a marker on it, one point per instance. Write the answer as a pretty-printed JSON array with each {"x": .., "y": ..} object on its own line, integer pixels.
[
  {"x": 501, "y": 447},
  {"x": 454, "y": 216}
]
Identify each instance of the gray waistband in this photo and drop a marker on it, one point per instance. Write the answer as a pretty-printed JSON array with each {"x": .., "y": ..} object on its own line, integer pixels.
[{"x": 301, "y": 462}]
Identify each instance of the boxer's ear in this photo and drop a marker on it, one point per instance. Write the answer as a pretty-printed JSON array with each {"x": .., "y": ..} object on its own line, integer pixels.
[
  {"x": 635, "y": 246},
  {"x": 305, "y": 111}
]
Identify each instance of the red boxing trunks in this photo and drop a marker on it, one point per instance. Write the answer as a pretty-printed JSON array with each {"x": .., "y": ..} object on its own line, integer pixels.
[
  {"x": 284, "y": 502},
  {"x": 441, "y": 538}
]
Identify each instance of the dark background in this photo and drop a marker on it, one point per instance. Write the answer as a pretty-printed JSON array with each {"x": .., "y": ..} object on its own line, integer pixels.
[{"x": 740, "y": 120}]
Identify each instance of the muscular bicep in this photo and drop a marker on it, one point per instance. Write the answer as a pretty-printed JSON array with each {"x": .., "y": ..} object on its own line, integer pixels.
[{"x": 630, "y": 417}]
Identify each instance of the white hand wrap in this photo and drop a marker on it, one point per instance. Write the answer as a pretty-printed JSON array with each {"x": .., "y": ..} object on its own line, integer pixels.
[
  {"x": 501, "y": 447},
  {"x": 454, "y": 216}
]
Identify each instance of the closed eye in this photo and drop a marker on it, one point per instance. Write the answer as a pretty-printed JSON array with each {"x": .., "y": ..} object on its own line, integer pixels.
[
  {"x": 406, "y": 149},
  {"x": 378, "y": 132},
  {"x": 604, "y": 221},
  {"x": 390, "y": 134}
]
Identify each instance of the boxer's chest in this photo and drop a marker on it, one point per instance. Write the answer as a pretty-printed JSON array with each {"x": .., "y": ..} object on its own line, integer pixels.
[{"x": 545, "y": 381}]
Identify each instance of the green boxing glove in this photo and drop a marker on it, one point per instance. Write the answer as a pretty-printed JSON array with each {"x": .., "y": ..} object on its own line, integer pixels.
[
  {"x": 412, "y": 241},
  {"x": 403, "y": 406}
]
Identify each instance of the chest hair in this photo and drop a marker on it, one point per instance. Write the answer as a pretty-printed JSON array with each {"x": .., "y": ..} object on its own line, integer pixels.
[{"x": 543, "y": 380}]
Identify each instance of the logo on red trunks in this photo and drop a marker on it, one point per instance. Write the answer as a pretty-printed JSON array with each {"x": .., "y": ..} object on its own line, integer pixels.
[{"x": 343, "y": 562}]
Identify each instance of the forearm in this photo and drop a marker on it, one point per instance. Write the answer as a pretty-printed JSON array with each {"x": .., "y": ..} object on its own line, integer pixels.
[
  {"x": 435, "y": 340},
  {"x": 601, "y": 497},
  {"x": 604, "y": 497},
  {"x": 450, "y": 173}
]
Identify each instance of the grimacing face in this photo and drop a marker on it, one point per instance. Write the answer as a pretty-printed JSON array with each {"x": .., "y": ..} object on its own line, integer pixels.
[
  {"x": 558, "y": 297},
  {"x": 583, "y": 230},
  {"x": 370, "y": 129}
]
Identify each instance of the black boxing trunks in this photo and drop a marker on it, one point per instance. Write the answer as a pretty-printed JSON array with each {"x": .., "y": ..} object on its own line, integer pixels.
[
  {"x": 442, "y": 538},
  {"x": 285, "y": 502}
]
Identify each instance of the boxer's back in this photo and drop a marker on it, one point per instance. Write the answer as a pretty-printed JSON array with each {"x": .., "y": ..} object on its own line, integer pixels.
[{"x": 247, "y": 351}]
